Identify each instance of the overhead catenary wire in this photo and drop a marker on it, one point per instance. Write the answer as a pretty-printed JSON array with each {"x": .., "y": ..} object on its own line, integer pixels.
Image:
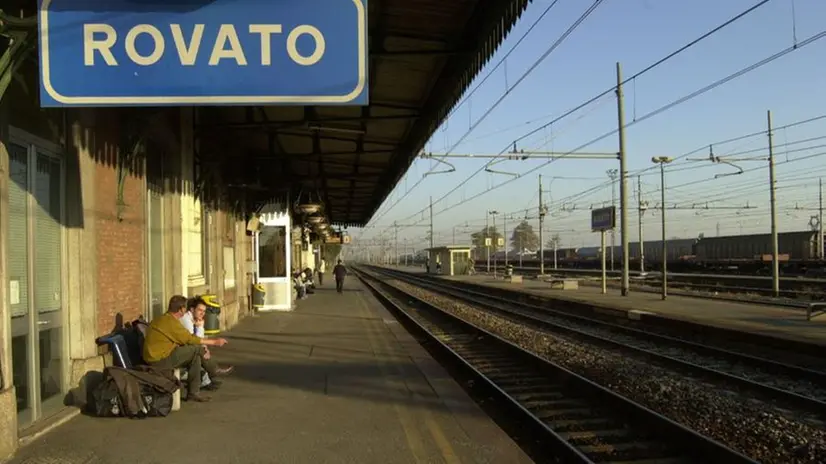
[
  {"x": 697, "y": 203},
  {"x": 590, "y": 101},
  {"x": 507, "y": 92},
  {"x": 730, "y": 187},
  {"x": 787, "y": 180},
  {"x": 647, "y": 116},
  {"x": 578, "y": 196}
]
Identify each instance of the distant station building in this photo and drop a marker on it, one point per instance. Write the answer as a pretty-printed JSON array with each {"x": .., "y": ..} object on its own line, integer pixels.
[{"x": 455, "y": 259}]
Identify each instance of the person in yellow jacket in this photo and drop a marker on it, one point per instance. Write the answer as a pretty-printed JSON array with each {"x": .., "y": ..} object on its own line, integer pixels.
[{"x": 168, "y": 345}]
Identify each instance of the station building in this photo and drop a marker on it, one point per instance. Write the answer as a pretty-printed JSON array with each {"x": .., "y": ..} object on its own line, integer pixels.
[{"x": 107, "y": 212}]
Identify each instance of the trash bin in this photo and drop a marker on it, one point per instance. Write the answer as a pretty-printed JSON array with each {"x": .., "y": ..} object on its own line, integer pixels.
[
  {"x": 258, "y": 293},
  {"x": 212, "y": 325},
  {"x": 509, "y": 270}
]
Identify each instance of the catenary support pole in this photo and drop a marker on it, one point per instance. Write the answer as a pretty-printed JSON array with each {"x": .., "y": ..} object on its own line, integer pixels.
[
  {"x": 541, "y": 227},
  {"x": 623, "y": 174},
  {"x": 641, "y": 211},
  {"x": 602, "y": 253},
  {"x": 505, "y": 237},
  {"x": 820, "y": 244},
  {"x": 487, "y": 247},
  {"x": 665, "y": 241},
  {"x": 430, "y": 253},
  {"x": 773, "y": 199}
]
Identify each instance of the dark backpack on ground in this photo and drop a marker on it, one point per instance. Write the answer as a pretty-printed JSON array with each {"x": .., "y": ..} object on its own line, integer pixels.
[
  {"x": 137, "y": 393},
  {"x": 158, "y": 403},
  {"x": 107, "y": 401}
]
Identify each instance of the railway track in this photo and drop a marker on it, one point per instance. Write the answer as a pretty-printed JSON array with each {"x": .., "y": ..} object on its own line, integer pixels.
[
  {"x": 787, "y": 384},
  {"x": 583, "y": 421}
]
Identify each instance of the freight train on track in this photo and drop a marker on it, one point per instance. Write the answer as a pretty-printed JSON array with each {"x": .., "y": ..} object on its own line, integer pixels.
[{"x": 747, "y": 254}]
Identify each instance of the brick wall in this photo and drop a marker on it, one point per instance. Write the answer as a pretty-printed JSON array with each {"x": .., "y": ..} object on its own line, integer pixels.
[{"x": 120, "y": 240}]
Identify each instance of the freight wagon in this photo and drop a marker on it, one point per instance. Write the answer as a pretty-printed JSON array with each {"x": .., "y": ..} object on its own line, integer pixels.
[
  {"x": 797, "y": 245},
  {"x": 680, "y": 249},
  {"x": 748, "y": 253}
]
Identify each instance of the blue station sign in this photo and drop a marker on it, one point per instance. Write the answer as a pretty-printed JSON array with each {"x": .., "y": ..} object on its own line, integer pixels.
[
  {"x": 603, "y": 219},
  {"x": 203, "y": 52}
]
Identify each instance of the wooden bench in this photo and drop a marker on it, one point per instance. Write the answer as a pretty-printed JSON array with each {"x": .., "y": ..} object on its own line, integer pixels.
[{"x": 514, "y": 279}]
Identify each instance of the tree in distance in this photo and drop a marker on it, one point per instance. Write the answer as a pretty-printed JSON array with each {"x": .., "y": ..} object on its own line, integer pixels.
[
  {"x": 524, "y": 237},
  {"x": 478, "y": 240}
]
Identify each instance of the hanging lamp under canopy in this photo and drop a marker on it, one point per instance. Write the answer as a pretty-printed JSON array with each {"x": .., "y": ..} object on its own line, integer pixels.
[
  {"x": 308, "y": 202},
  {"x": 316, "y": 218}
]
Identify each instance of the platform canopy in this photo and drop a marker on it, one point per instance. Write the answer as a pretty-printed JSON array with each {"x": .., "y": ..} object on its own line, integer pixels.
[{"x": 423, "y": 56}]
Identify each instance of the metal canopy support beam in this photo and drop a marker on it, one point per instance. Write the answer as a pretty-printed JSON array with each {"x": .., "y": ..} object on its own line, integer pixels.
[
  {"x": 378, "y": 168},
  {"x": 526, "y": 155},
  {"x": 331, "y": 153},
  {"x": 310, "y": 112},
  {"x": 394, "y": 105},
  {"x": 414, "y": 53},
  {"x": 385, "y": 142},
  {"x": 348, "y": 177},
  {"x": 302, "y": 122},
  {"x": 377, "y": 39},
  {"x": 489, "y": 22}
]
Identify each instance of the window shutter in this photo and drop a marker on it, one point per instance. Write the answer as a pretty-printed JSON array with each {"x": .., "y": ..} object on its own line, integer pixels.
[
  {"x": 18, "y": 270},
  {"x": 47, "y": 236}
]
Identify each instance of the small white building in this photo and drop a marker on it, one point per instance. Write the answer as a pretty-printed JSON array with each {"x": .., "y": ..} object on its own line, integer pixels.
[
  {"x": 273, "y": 258},
  {"x": 455, "y": 259}
]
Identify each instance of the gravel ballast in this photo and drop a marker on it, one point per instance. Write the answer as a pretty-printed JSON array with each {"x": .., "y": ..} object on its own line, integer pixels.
[{"x": 750, "y": 426}]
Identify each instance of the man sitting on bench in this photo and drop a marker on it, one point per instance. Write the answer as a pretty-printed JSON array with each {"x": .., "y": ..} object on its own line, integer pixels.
[
  {"x": 193, "y": 322},
  {"x": 168, "y": 345}
]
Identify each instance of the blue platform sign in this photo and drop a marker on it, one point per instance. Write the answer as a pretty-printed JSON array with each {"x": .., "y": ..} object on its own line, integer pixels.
[
  {"x": 603, "y": 219},
  {"x": 203, "y": 52}
]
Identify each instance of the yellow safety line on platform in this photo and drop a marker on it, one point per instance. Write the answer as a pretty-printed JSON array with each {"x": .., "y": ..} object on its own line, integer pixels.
[
  {"x": 441, "y": 441},
  {"x": 436, "y": 431},
  {"x": 411, "y": 433}
]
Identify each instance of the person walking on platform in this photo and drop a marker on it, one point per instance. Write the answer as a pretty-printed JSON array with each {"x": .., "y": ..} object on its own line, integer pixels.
[
  {"x": 322, "y": 268},
  {"x": 339, "y": 272}
]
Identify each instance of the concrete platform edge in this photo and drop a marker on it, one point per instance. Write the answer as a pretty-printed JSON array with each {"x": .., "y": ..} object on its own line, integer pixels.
[
  {"x": 449, "y": 392},
  {"x": 637, "y": 315}
]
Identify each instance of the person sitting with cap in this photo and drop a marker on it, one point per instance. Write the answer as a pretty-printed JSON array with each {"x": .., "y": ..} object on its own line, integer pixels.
[{"x": 193, "y": 321}]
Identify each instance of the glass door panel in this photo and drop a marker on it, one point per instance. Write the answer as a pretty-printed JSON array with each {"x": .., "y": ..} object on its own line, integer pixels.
[
  {"x": 48, "y": 292},
  {"x": 35, "y": 287},
  {"x": 18, "y": 280}
]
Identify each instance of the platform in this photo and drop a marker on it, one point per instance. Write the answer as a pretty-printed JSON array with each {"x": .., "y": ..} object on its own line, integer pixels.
[
  {"x": 336, "y": 381},
  {"x": 777, "y": 321}
]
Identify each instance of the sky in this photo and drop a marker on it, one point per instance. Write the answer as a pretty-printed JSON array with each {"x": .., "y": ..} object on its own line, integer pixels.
[{"x": 636, "y": 33}]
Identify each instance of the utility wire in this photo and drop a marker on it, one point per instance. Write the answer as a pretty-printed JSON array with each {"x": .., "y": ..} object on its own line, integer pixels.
[
  {"x": 508, "y": 91},
  {"x": 575, "y": 197},
  {"x": 502, "y": 60},
  {"x": 603, "y": 94},
  {"x": 655, "y": 112}
]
